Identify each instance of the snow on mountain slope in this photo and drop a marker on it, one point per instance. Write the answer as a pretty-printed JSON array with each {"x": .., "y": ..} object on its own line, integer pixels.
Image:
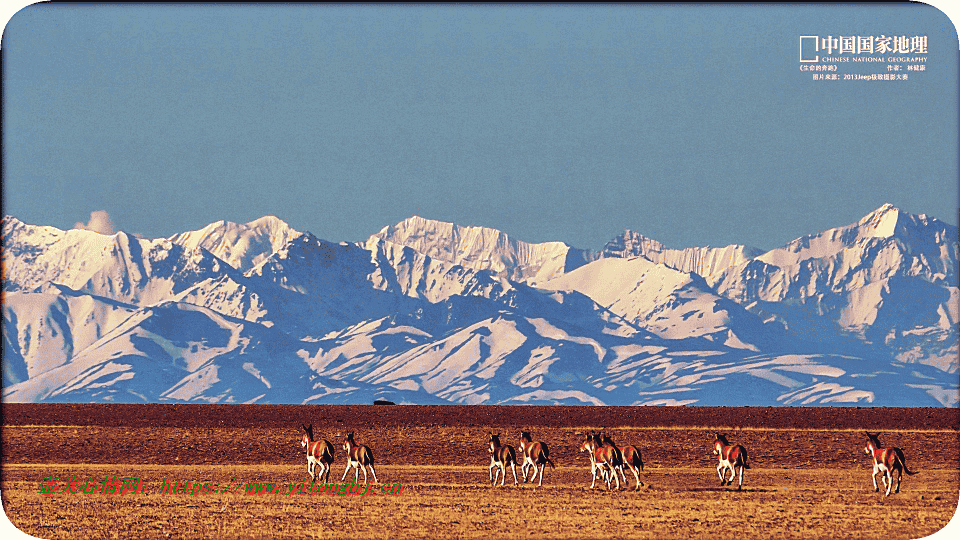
[
  {"x": 322, "y": 287},
  {"x": 505, "y": 358},
  {"x": 344, "y": 354},
  {"x": 705, "y": 261},
  {"x": 140, "y": 359},
  {"x": 513, "y": 359},
  {"x": 326, "y": 285},
  {"x": 118, "y": 266},
  {"x": 884, "y": 244},
  {"x": 175, "y": 352},
  {"x": 888, "y": 278},
  {"x": 669, "y": 303},
  {"x": 310, "y": 287},
  {"x": 45, "y": 330},
  {"x": 707, "y": 378},
  {"x": 233, "y": 296},
  {"x": 242, "y": 246},
  {"x": 491, "y": 361},
  {"x": 482, "y": 248},
  {"x": 404, "y": 270},
  {"x": 929, "y": 245},
  {"x": 408, "y": 272},
  {"x": 634, "y": 286},
  {"x": 427, "y": 312},
  {"x": 183, "y": 353}
]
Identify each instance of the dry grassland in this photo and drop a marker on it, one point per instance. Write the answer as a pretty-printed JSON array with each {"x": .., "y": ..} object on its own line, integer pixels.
[{"x": 805, "y": 482}]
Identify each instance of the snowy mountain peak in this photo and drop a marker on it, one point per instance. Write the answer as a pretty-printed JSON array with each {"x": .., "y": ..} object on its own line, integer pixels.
[
  {"x": 269, "y": 221},
  {"x": 888, "y": 225},
  {"x": 432, "y": 312},
  {"x": 118, "y": 266},
  {"x": 242, "y": 246},
  {"x": 915, "y": 232},
  {"x": 481, "y": 248},
  {"x": 632, "y": 244},
  {"x": 882, "y": 222}
]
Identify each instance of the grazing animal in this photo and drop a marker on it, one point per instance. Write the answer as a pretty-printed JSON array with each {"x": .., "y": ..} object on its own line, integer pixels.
[
  {"x": 534, "y": 454},
  {"x": 358, "y": 457},
  {"x": 886, "y": 461},
  {"x": 731, "y": 458},
  {"x": 318, "y": 453},
  {"x": 631, "y": 458},
  {"x": 501, "y": 455},
  {"x": 603, "y": 459}
]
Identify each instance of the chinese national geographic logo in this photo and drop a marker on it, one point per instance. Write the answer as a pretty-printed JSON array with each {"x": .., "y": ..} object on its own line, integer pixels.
[{"x": 813, "y": 47}]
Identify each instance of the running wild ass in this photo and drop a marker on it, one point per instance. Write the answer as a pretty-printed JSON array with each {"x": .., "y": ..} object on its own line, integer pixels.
[
  {"x": 534, "y": 454},
  {"x": 731, "y": 458},
  {"x": 604, "y": 458},
  {"x": 886, "y": 461},
  {"x": 501, "y": 456},
  {"x": 318, "y": 453},
  {"x": 631, "y": 458},
  {"x": 358, "y": 457}
]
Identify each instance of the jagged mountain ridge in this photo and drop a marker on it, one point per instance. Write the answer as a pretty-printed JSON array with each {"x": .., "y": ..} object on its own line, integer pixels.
[
  {"x": 482, "y": 248},
  {"x": 705, "y": 261},
  {"x": 669, "y": 303},
  {"x": 326, "y": 298},
  {"x": 242, "y": 246},
  {"x": 119, "y": 266},
  {"x": 885, "y": 279}
]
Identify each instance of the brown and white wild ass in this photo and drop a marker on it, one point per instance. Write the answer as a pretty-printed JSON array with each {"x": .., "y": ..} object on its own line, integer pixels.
[
  {"x": 731, "y": 458},
  {"x": 358, "y": 457},
  {"x": 630, "y": 457},
  {"x": 318, "y": 453},
  {"x": 501, "y": 455},
  {"x": 534, "y": 454},
  {"x": 886, "y": 461},
  {"x": 590, "y": 446},
  {"x": 603, "y": 459}
]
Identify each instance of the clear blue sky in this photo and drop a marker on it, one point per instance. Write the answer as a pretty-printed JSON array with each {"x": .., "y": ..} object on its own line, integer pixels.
[{"x": 690, "y": 124}]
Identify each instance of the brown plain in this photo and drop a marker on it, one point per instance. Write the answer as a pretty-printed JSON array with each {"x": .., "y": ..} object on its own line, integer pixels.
[{"x": 809, "y": 477}]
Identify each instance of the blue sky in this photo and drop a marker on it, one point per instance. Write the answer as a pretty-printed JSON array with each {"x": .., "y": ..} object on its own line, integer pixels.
[{"x": 690, "y": 124}]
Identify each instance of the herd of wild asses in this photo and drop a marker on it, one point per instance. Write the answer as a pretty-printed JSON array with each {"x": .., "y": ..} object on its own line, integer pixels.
[{"x": 607, "y": 460}]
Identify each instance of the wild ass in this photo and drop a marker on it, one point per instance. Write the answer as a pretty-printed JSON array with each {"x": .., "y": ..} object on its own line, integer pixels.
[
  {"x": 603, "y": 459},
  {"x": 731, "y": 458},
  {"x": 358, "y": 457},
  {"x": 318, "y": 453},
  {"x": 630, "y": 457},
  {"x": 501, "y": 456},
  {"x": 534, "y": 454},
  {"x": 886, "y": 461}
]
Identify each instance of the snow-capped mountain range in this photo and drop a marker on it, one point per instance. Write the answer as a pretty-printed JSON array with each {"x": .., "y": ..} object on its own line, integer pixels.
[{"x": 431, "y": 312}]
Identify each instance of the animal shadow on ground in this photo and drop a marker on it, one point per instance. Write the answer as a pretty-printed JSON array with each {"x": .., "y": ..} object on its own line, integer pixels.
[{"x": 729, "y": 490}]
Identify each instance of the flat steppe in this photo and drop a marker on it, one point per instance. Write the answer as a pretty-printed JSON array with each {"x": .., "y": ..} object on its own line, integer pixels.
[{"x": 809, "y": 477}]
